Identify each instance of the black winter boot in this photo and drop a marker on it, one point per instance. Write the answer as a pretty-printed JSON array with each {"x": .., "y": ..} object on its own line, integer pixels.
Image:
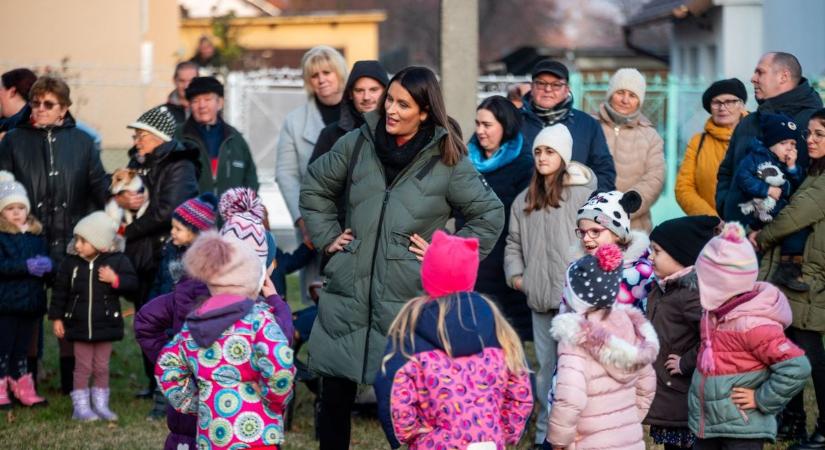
[
  {"x": 791, "y": 427},
  {"x": 813, "y": 442},
  {"x": 790, "y": 276},
  {"x": 66, "y": 374}
]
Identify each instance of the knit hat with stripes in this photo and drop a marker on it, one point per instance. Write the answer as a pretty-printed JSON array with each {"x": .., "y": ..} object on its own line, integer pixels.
[
  {"x": 199, "y": 213},
  {"x": 242, "y": 212},
  {"x": 158, "y": 121},
  {"x": 726, "y": 267}
]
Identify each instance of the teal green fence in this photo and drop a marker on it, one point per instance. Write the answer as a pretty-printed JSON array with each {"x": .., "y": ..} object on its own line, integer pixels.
[{"x": 673, "y": 105}]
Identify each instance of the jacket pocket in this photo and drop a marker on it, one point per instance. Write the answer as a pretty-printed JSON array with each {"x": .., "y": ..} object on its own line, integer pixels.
[{"x": 339, "y": 273}]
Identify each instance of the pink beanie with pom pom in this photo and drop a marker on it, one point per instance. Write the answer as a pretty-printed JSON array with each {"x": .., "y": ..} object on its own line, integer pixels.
[
  {"x": 726, "y": 267},
  {"x": 450, "y": 265},
  {"x": 241, "y": 200},
  {"x": 227, "y": 266}
]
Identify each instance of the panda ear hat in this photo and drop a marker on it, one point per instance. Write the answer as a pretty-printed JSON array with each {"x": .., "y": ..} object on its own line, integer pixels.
[
  {"x": 611, "y": 210},
  {"x": 631, "y": 201}
]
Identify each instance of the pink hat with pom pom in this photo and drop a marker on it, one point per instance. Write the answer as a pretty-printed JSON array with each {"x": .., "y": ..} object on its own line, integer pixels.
[
  {"x": 450, "y": 265},
  {"x": 227, "y": 266},
  {"x": 726, "y": 267},
  {"x": 593, "y": 281}
]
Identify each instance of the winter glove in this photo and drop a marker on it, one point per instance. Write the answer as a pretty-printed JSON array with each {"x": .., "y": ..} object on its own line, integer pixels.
[{"x": 39, "y": 265}]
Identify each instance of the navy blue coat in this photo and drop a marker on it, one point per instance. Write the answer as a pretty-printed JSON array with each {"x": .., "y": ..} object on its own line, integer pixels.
[
  {"x": 749, "y": 186},
  {"x": 170, "y": 270},
  {"x": 288, "y": 263},
  {"x": 589, "y": 145},
  {"x": 798, "y": 103},
  {"x": 21, "y": 293}
]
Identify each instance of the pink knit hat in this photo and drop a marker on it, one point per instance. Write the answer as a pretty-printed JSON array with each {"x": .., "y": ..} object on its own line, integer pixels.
[
  {"x": 450, "y": 265},
  {"x": 726, "y": 267},
  {"x": 226, "y": 265}
]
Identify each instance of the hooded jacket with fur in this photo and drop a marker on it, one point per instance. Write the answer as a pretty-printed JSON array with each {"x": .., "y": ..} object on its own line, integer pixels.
[
  {"x": 20, "y": 292},
  {"x": 605, "y": 380},
  {"x": 744, "y": 344}
]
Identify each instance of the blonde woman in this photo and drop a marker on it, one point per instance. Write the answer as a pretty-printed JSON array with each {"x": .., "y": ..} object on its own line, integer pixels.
[{"x": 325, "y": 75}]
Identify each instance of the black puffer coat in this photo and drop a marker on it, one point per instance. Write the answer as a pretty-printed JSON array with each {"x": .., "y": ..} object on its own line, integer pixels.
[
  {"x": 170, "y": 174},
  {"x": 61, "y": 170},
  {"x": 21, "y": 294},
  {"x": 88, "y": 307}
]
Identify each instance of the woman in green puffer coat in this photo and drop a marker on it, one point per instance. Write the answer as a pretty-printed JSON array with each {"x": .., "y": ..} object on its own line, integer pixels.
[
  {"x": 401, "y": 174},
  {"x": 806, "y": 209}
]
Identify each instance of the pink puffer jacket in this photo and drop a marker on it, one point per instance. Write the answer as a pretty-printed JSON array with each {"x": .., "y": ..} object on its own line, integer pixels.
[{"x": 605, "y": 380}]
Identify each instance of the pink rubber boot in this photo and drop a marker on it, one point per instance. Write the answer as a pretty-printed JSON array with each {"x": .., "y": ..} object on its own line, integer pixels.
[
  {"x": 23, "y": 390},
  {"x": 5, "y": 402}
]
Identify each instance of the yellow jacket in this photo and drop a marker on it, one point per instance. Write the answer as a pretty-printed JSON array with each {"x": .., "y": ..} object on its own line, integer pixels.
[{"x": 696, "y": 182}]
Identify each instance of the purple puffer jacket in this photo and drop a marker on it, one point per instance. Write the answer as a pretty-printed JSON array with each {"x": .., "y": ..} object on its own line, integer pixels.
[{"x": 157, "y": 322}]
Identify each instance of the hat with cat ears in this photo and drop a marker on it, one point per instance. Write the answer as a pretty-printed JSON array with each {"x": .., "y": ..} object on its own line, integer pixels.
[{"x": 611, "y": 210}]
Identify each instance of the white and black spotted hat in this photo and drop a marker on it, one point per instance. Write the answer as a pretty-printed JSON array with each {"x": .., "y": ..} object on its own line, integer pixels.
[
  {"x": 593, "y": 281},
  {"x": 611, "y": 210},
  {"x": 158, "y": 121}
]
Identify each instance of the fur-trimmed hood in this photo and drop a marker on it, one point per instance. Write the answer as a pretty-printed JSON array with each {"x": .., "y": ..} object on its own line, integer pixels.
[
  {"x": 623, "y": 343},
  {"x": 35, "y": 227}
]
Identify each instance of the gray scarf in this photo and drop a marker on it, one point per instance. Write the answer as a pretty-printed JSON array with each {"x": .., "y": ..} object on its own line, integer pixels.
[
  {"x": 622, "y": 119},
  {"x": 555, "y": 114}
]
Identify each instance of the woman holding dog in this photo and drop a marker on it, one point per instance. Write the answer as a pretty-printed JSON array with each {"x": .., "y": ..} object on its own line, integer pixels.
[
  {"x": 806, "y": 210},
  {"x": 60, "y": 168},
  {"x": 169, "y": 171}
]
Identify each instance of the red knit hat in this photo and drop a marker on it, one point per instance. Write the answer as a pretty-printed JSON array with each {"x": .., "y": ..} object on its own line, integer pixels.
[{"x": 450, "y": 265}]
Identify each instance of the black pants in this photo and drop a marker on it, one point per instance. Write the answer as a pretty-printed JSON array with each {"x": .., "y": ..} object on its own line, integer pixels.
[
  {"x": 334, "y": 421},
  {"x": 16, "y": 333},
  {"x": 728, "y": 444},
  {"x": 811, "y": 343}
]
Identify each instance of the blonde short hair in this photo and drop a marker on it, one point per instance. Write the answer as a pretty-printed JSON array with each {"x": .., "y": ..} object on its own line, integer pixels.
[{"x": 323, "y": 56}]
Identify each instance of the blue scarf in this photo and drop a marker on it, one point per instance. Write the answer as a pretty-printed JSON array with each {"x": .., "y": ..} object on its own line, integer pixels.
[{"x": 507, "y": 153}]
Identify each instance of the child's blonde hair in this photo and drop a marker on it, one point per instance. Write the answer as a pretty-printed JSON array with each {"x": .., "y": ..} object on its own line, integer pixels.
[{"x": 403, "y": 329}]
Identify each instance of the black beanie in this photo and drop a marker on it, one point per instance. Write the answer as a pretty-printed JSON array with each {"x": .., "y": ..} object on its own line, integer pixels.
[
  {"x": 203, "y": 85},
  {"x": 683, "y": 238},
  {"x": 730, "y": 86}
]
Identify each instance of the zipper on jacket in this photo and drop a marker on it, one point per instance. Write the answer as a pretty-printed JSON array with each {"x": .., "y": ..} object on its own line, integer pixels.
[
  {"x": 52, "y": 171},
  {"x": 701, "y": 434},
  {"x": 91, "y": 280},
  {"x": 616, "y": 131},
  {"x": 372, "y": 274}
]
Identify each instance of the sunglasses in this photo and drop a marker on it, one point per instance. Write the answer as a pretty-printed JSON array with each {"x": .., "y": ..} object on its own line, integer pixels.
[{"x": 48, "y": 105}]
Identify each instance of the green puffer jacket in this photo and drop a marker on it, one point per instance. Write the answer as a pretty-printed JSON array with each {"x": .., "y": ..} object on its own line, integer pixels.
[
  {"x": 806, "y": 209},
  {"x": 368, "y": 283},
  {"x": 236, "y": 168}
]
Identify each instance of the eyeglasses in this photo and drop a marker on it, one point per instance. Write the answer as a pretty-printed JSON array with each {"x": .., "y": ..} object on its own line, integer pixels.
[
  {"x": 816, "y": 136},
  {"x": 48, "y": 105},
  {"x": 727, "y": 104},
  {"x": 544, "y": 86},
  {"x": 139, "y": 136},
  {"x": 592, "y": 233}
]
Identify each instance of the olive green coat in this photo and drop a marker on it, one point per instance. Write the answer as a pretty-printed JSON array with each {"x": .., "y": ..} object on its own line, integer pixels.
[
  {"x": 806, "y": 209},
  {"x": 368, "y": 283}
]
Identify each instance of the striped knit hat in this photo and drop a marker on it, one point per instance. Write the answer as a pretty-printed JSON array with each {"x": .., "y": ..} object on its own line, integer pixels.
[
  {"x": 726, "y": 267},
  {"x": 243, "y": 212},
  {"x": 199, "y": 213}
]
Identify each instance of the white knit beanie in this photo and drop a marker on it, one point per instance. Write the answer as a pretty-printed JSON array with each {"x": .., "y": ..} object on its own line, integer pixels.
[
  {"x": 628, "y": 79},
  {"x": 11, "y": 191},
  {"x": 98, "y": 229},
  {"x": 558, "y": 138}
]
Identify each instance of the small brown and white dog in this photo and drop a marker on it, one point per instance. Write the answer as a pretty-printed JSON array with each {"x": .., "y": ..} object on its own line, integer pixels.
[{"x": 126, "y": 180}]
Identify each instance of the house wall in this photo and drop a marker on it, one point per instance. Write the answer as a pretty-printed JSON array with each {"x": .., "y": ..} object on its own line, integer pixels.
[
  {"x": 119, "y": 55},
  {"x": 695, "y": 47},
  {"x": 355, "y": 34},
  {"x": 796, "y": 26}
]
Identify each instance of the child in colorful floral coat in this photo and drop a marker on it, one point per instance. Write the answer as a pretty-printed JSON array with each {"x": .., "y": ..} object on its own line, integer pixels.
[
  {"x": 454, "y": 374},
  {"x": 231, "y": 363}
]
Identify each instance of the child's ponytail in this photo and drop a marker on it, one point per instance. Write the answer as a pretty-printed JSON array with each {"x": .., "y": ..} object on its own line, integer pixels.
[{"x": 509, "y": 341}]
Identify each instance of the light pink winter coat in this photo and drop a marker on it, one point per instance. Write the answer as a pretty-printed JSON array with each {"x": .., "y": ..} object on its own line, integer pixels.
[{"x": 605, "y": 380}]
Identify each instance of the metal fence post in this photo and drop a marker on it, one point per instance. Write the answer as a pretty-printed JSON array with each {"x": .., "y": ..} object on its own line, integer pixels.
[
  {"x": 577, "y": 88},
  {"x": 672, "y": 134}
]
